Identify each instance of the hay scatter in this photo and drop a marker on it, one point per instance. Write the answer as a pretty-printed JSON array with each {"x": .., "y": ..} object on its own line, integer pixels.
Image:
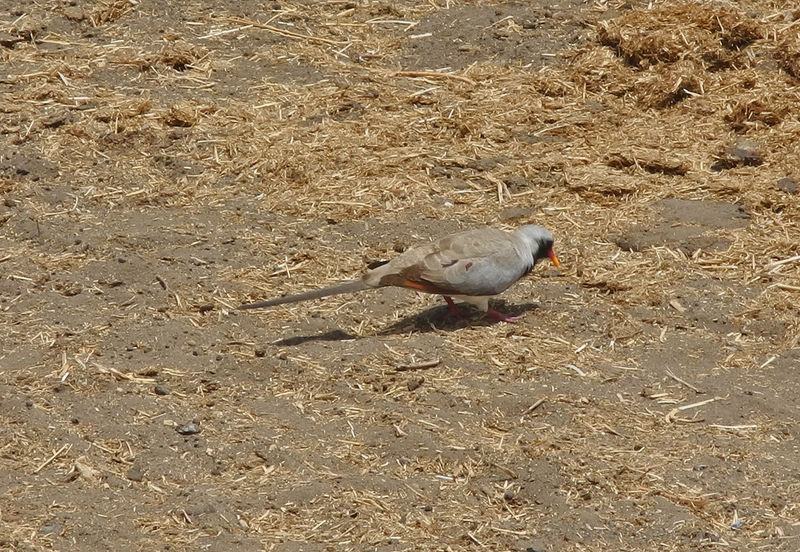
[
  {"x": 309, "y": 431},
  {"x": 109, "y": 11},
  {"x": 709, "y": 33},
  {"x": 787, "y": 52}
]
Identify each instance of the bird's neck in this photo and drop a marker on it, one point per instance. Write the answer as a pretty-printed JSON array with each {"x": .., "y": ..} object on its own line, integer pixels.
[{"x": 526, "y": 251}]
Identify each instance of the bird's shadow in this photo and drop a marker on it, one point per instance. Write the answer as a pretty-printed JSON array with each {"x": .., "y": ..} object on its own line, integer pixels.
[
  {"x": 438, "y": 318},
  {"x": 434, "y": 319}
]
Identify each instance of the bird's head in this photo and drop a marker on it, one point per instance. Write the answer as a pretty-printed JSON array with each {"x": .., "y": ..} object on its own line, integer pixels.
[{"x": 540, "y": 242}]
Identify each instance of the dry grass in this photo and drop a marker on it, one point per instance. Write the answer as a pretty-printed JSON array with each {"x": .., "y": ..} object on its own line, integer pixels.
[{"x": 578, "y": 429}]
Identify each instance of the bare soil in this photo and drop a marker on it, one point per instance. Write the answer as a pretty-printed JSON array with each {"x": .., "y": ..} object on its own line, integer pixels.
[{"x": 164, "y": 162}]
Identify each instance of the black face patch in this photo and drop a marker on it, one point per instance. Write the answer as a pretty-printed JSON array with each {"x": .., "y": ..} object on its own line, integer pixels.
[{"x": 544, "y": 249}]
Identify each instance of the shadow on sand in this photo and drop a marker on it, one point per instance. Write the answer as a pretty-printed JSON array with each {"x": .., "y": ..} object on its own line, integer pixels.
[{"x": 430, "y": 320}]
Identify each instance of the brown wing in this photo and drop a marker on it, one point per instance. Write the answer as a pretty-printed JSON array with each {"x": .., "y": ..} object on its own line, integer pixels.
[{"x": 475, "y": 262}]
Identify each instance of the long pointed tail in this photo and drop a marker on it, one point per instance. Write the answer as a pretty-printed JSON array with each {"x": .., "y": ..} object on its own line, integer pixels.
[{"x": 345, "y": 287}]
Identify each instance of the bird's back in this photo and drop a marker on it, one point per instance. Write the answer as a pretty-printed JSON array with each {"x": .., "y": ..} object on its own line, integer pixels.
[{"x": 474, "y": 262}]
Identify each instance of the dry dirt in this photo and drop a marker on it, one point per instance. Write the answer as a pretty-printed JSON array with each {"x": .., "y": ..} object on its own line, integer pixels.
[{"x": 163, "y": 162}]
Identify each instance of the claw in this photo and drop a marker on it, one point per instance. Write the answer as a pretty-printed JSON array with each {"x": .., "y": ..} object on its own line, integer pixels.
[
  {"x": 503, "y": 317},
  {"x": 453, "y": 310}
]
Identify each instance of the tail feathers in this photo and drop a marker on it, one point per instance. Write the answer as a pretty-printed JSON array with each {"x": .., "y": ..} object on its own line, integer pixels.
[{"x": 345, "y": 287}]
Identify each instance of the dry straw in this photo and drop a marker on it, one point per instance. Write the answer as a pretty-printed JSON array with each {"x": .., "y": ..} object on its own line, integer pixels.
[{"x": 351, "y": 160}]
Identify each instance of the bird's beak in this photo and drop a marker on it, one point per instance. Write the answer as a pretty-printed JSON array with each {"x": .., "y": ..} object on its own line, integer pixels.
[{"x": 553, "y": 258}]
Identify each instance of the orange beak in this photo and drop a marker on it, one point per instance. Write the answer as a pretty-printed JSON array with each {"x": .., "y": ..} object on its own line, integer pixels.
[{"x": 553, "y": 258}]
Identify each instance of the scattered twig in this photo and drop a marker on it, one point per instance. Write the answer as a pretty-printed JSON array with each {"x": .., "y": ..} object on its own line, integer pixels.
[
  {"x": 284, "y": 32},
  {"x": 502, "y": 189},
  {"x": 686, "y": 383},
  {"x": 577, "y": 370},
  {"x": 413, "y": 490},
  {"x": 434, "y": 75},
  {"x": 509, "y": 472},
  {"x": 122, "y": 375},
  {"x": 476, "y": 541},
  {"x": 224, "y": 32},
  {"x": 695, "y": 503},
  {"x": 418, "y": 365},
  {"x": 775, "y": 264},
  {"x": 163, "y": 282},
  {"x": 612, "y": 431},
  {"x": 671, "y": 415},
  {"x": 152, "y": 487},
  {"x": 55, "y": 455},
  {"x": 769, "y": 361},
  {"x": 533, "y": 407},
  {"x": 675, "y": 304},
  {"x": 733, "y": 427},
  {"x": 785, "y": 287}
]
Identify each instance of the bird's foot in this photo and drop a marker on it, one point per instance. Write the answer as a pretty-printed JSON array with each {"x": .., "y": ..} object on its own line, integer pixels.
[{"x": 502, "y": 317}]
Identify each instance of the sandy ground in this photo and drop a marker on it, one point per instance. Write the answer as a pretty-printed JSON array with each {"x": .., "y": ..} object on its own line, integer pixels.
[{"x": 162, "y": 165}]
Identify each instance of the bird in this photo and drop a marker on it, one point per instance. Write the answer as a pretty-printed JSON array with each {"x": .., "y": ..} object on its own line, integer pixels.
[{"x": 469, "y": 266}]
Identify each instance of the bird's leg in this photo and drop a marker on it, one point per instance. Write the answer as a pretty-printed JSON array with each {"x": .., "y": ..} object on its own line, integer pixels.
[
  {"x": 483, "y": 304},
  {"x": 452, "y": 309},
  {"x": 502, "y": 317}
]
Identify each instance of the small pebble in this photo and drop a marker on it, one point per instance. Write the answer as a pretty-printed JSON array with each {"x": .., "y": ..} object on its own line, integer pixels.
[
  {"x": 746, "y": 152},
  {"x": 515, "y": 213},
  {"x": 8, "y": 40},
  {"x": 49, "y": 529},
  {"x": 788, "y": 185},
  {"x": 74, "y": 13},
  {"x": 260, "y": 353},
  {"x": 742, "y": 152},
  {"x": 482, "y": 164},
  {"x": 188, "y": 429},
  {"x": 414, "y": 384},
  {"x": 161, "y": 389},
  {"x": 135, "y": 473}
]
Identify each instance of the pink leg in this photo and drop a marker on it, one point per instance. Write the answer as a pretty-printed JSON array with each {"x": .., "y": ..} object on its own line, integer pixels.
[
  {"x": 502, "y": 317},
  {"x": 452, "y": 309}
]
